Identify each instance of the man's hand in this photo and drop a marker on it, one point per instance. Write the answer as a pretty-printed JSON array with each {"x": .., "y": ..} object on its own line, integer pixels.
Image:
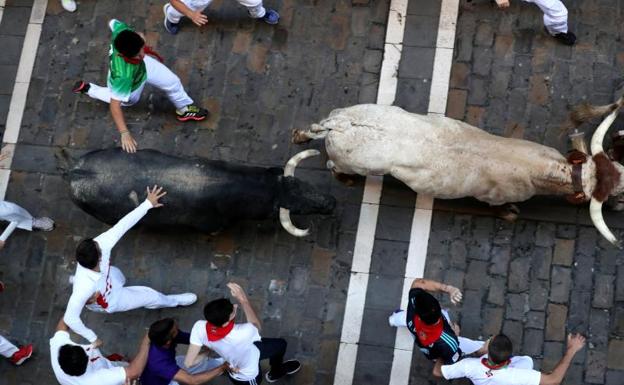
[
  {"x": 199, "y": 18},
  {"x": 154, "y": 195},
  {"x": 502, "y": 3},
  {"x": 237, "y": 292},
  {"x": 128, "y": 144},
  {"x": 576, "y": 342},
  {"x": 454, "y": 293},
  {"x": 97, "y": 343}
]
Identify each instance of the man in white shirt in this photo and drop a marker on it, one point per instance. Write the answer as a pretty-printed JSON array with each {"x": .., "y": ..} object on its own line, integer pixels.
[
  {"x": 498, "y": 367},
  {"x": 100, "y": 286},
  {"x": 75, "y": 364},
  {"x": 239, "y": 344},
  {"x": 18, "y": 217}
]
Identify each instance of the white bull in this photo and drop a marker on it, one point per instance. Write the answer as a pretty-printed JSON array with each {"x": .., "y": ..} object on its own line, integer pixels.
[{"x": 450, "y": 159}]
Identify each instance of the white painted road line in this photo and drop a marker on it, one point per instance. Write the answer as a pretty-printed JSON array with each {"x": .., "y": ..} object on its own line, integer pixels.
[
  {"x": 421, "y": 222},
  {"x": 19, "y": 96},
  {"x": 369, "y": 210}
]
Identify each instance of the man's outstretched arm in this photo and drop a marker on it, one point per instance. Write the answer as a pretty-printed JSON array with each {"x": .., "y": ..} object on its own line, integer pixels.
[
  {"x": 128, "y": 143},
  {"x": 108, "y": 239},
  {"x": 575, "y": 343},
  {"x": 434, "y": 286}
]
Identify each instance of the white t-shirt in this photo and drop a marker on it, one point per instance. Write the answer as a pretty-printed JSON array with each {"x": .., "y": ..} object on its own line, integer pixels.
[
  {"x": 518, "y": 372},
  {"x": 100, "y": 371},
  {"x": 237, "y": 348}
]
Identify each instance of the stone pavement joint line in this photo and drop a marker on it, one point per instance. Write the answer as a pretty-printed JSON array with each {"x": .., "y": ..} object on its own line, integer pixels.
[
  {"x": 369, "y": 210},
  {"x": 20, "y": 90}
]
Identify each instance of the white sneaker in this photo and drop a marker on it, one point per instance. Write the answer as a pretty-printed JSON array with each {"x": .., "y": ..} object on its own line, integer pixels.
[
  {"x": 398, "y": 318},
  {"x": 185, "y": 299},
  {"x": 71, "y": 279},
  {"x": 69, "y": 5},
  {"x": 43, "y": 223}
]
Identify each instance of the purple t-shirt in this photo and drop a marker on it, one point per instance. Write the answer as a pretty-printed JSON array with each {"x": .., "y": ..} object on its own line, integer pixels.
[{"x": 161, "y": 364}]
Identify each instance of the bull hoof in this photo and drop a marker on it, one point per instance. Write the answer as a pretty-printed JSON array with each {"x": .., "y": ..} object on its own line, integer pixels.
[
  {"x": 509, "y": 212},
  {"x": 299, "y": 137}
]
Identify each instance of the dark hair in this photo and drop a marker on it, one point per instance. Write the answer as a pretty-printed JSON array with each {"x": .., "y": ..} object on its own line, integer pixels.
[
  {"x": 160, "y": 331},
  {"x": 128, "y": 43},
  {"x": 87, "y": 253},
  {"x": 427, "y": 307},
  {"x": 500, "y": 349},
  {"x": 73, "y": 360},
  {"x": 218, "y": 312}
]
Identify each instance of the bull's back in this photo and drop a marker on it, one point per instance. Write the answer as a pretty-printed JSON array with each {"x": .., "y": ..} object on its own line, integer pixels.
[
  {"x": 200, "y": 193},
  {"x": 432, "y": 154}
]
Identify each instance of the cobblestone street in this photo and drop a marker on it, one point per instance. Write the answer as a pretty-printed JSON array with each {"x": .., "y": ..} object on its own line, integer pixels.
[{"x": 548, "y": 274}]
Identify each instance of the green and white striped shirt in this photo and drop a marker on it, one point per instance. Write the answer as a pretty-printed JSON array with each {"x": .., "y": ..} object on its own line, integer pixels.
[{"x": 123, "y": 77}]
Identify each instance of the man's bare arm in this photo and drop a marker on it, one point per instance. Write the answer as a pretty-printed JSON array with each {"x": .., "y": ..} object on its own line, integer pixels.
[
  {"x": 134, "y": 370},
  {"x": 127, "y": 141},
  {"x": 196, "y": 379},
  {"x": 435, "y": 286},
  {"x": 240, "y": 295},
  {"x": 575, "y": 343},
  {"x": 196, "y": 16}
]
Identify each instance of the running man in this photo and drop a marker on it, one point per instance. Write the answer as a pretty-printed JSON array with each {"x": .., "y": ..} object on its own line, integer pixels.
[
  {"x": 176, "y": 9},
  {"x": 239, "y": 344},
  {"x": 16, "y": 355},
  {"x": 132, "y": 65},
  {"x": 100, "y": 286},
  {"x": 499, "y": 367},
  {"x": 434, "y": 333}
]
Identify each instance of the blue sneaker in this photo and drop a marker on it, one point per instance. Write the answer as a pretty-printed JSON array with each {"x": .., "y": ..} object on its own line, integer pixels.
[
  {"x": 271, "y": 16},
  {"x": 172, "y": 28}
]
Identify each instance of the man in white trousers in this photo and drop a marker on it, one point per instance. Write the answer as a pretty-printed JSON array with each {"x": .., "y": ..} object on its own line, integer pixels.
[
  {"x": 100, "y": 286},
  {"x": 18, "y": 217},
  {"x": 132, "y": 65},
  {"x": 176, "y": 9},
  {"x": 555, "y": 18},
  {"x": 434, "y": 333}
]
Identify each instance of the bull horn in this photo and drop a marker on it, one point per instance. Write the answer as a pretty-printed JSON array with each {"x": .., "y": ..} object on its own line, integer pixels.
[
  {"x": 287, "y": 224},
  {"x": 601, "y": 131},
  {"x": 595, "y": 212},
  {"x": 289, "y": 169}
]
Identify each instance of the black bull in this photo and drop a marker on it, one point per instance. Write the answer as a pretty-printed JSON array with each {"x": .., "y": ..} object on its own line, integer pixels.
[{"x": 205, "y": 194}]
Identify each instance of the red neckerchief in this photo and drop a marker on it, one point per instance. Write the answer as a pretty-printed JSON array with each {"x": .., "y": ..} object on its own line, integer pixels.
[
  {"x": 492, "y": 366},
  {"x": 428, "y": 334},
  {"x": 215, "y": 333},
  {"x": 148, "y": 51}
]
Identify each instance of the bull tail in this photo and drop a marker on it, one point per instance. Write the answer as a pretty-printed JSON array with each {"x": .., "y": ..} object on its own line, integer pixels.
[{"x": 585, "y": 112}]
